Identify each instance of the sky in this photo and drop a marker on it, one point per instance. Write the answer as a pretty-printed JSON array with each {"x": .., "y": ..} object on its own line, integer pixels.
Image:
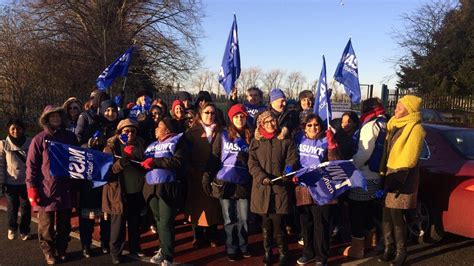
[{"x": 293, "y": 35}]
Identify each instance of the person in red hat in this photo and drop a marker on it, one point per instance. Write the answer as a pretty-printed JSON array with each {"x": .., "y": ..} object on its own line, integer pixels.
[
  {"x": 177, "y": 113},
  {"x": 230, "y": 180}
]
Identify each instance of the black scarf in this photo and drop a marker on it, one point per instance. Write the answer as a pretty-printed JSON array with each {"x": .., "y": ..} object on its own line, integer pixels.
[{"x": 18, "y": 141}]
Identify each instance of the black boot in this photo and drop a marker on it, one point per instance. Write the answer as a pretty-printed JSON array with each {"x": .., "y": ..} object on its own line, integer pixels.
[
  {"x": 389, "y": 246},
  {"x": 282, "y": 243},
  {"x": 400, "y": 233},
  {"x": 267, "y": 246}
]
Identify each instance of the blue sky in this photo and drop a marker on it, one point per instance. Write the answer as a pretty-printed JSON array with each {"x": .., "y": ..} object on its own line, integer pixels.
[{"x": 293, "y": 35}]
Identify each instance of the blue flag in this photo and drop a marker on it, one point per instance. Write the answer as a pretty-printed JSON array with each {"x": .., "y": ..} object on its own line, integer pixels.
[
  {"x": 322, "y": 105},
  {"x": 230, "y": 68},
  {"x": 118, "y": 68},
  {"x": 330, "y": 179},
  {"x": 79, "y": 163},
  {"x": 347, "y": 73}
]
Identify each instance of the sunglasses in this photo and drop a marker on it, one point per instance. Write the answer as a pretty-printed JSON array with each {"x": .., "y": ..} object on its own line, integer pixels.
[
  {"x": 209, "y": 113},
  {"x": 312, "y": 125}
]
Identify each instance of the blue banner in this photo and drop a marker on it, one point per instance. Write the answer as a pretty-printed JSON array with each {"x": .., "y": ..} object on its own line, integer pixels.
[
  {"x": 322, "y": 105},
  {"x": 330, "y": 179},
  {"x": 347, "y": 73},
  {"x": 230, "y": 67},
  {"x": 118, "y": 68},
  {"x": 79, "y": 163}
]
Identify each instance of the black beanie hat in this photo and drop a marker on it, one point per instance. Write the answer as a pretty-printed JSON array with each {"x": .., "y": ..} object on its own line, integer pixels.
[
  {"x": 204, "y": 95},
  {"x": 106, "y": 104},
  {"x": 184, "y": 95},
  {"x": 170, "y": 124}
]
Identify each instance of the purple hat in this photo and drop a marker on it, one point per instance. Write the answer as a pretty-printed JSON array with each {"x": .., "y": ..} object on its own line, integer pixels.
[{"x": 276, "y": 94}]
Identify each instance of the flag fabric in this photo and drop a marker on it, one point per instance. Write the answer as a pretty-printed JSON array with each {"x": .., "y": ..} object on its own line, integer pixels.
[
  {"x": 322, "y": 105},
  {"x": 118, "y": 68},
  {"x": 79, "y": 163},
  {"x": 347, "y": 73},
  {"x": 330, "y": 179},
  {"x": 230, "y": 67}
]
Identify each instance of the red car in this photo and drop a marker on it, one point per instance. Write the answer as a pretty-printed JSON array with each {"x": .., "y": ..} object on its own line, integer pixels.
[{"x": 446, "y": 192}]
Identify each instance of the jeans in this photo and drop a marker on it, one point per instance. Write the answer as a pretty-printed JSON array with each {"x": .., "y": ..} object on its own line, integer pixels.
[
  {"x": 16, "y": 198},
  {"x": 164, "y": 216},
  {"x": 235, "y": 213}
]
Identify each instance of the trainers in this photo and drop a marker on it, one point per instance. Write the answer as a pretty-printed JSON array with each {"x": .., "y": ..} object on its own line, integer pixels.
[
  {"x": 301, "y": 242},
  {"x": 232, "y": 257},
  {"x": 166, "y": 263},
  {"x": 305, "y": 260},
  {"x": 49, "y": 258},
  {"x": 153, "y": 229},
  {"x": 25, "y": 237},
  {"x": 246, "y": 254},
  {"x": 86, "y": 253},
  {"x": 11, "y": 234},
  {"x": 158, "y": 258}
]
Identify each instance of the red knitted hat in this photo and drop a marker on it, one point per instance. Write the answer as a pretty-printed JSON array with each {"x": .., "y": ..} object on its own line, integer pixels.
[{"x": 235, "y": 109}]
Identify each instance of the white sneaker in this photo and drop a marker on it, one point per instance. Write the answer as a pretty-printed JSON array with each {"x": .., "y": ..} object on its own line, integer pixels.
[
  {"x": 11, "y": 234},
  {"x": 25, "y": 237},
  {"x": 158, "y": 258},
  {"x": 166, "y": 263},
  {"x": 301, "y": 242}
]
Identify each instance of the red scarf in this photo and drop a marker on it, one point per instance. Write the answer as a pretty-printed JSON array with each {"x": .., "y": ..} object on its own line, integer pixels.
[
  {"x": 265, "y": 134},
  {"x": 371, "y": 114}
]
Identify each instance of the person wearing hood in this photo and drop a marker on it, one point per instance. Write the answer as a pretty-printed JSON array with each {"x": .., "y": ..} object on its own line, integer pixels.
[
  {"x": 178, "y": 113},
  {"x": 122, "y": 196},
  {"x": 164, "y": 191},
  {"x": 50, "y": 196},
  {"x": 72, "y": 106},
  {"x": 271, "y": 155},
  {"x": 90, "y": 197},
  {"x": 13, "y": 152},
  {"x": 89, "y": 120},
  {"x": 401, "y": 170},
  {"x": 305, "y": 103}
]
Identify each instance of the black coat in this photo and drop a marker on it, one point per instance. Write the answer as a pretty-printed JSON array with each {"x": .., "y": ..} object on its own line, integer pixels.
[{"x": 268, "y": 158}]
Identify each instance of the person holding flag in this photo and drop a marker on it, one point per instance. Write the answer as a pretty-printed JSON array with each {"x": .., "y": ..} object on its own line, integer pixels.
[
  {"x": 254, "y": 104},
  {"x": 122, "y": 197},
  {"x": 272, "y": 200},
  {"x": 315, "y": 218},
  {"x": 347, "y": 73},
  {"x": 89, "y": 120},
  {"x": 231, "y": 181},
  {"x": 230, "y": 67},
  {"x": 164, "y": 192},
  {"x": 50, "y": 196}
]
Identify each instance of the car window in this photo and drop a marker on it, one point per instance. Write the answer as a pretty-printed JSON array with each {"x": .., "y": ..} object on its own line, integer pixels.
[
  {"x": 462, "y": 141},
  {"x": 425, "y": 151}
]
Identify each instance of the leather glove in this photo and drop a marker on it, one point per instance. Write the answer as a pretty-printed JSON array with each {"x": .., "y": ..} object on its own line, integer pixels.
[
  {"x": 128, "y": 151},
  {"x": 266, "y": 181},
  {"x": 148, "y": 163},
  {"x": 332, "y": 144},
  {"x": 33, "y": 196}
]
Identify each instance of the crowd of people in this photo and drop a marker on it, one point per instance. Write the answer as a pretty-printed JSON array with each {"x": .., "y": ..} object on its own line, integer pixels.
[{"x": 218, "y": 170}]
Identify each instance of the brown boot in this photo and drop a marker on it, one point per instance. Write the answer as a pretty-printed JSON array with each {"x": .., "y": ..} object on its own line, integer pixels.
[
  {"x": 356, "y": 249},
  {"x": 371, "y": 239}
]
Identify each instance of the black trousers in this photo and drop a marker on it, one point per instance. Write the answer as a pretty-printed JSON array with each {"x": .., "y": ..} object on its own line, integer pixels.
[
  {"x": 362, "y": 216},
  {"x": 133, "y": 206},
  {"x": 86, "y": 229},
  {"x": 16, "y": 198},
  {"x": 274, "y": 223},
  {"x": 202, "y": 233},
  {"x": 315, "y": 221},
  {"x": 52, "y": 240}
]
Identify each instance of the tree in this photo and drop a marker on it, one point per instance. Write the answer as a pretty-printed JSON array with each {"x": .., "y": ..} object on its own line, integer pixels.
[
  {"x": 249, "y": 77},
  {"x": 295, "y": 82},
  {"x": 273, "y": 79}
]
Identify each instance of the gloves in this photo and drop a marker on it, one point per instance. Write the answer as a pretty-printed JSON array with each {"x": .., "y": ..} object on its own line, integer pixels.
[
  {"x": 266, "y": 181},
  {"x": 33, "y": 196},
  {"x": 128, "y": 151},
  {"x": 294, "y": 180},
  {"x": 147, "y": 164},
  {"x": 332, "y": 144}
]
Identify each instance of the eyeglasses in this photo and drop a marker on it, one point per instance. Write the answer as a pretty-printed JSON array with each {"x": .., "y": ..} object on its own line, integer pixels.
[
  {"x": 312, "y": 125},
  {"x": 272, "y": 121},
  {"x": 209, "y": 113},
  {"x": 129, "y": 131}
]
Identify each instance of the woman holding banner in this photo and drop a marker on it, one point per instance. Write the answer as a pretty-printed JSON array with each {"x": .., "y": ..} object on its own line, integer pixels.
[
  {"x": 312, "y": 147},
  {"x": 232, "y": 181},
  {"x": 122, "y": 196},
  {"x": 271, "y": 199},
  {"x": 163, "y": 189},
  {"x": 50, "y": 196},
  {"x": 403, "y": 146}
]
